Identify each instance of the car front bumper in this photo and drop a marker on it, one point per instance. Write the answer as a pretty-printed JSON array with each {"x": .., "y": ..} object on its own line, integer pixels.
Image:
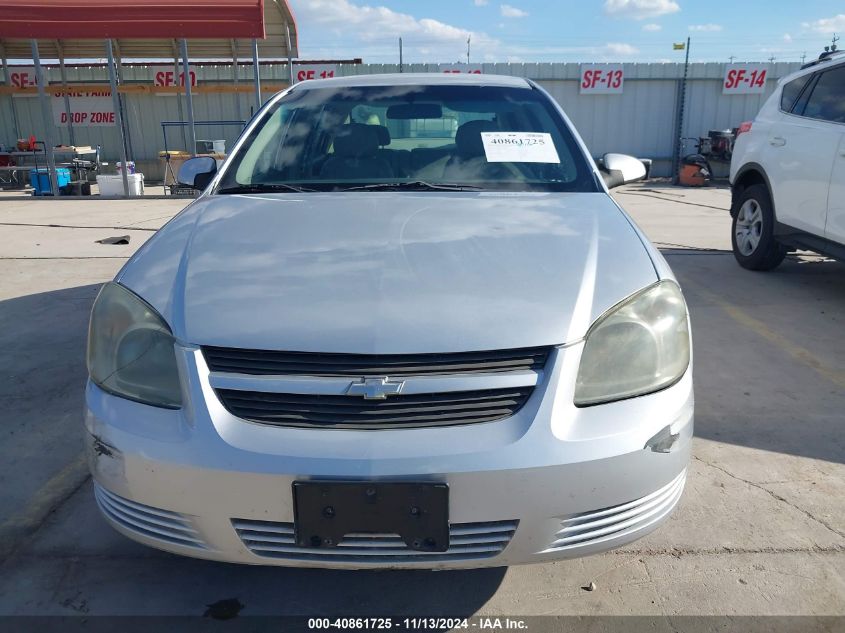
[{"x": 553, "y": 481}]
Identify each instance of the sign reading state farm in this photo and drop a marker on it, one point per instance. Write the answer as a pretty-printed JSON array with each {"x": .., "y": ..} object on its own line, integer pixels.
[
  {"x": 745, "y": 79},
  {"x": 602, "y": 79}
]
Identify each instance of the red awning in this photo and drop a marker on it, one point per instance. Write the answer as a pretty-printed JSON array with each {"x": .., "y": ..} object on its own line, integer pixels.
[{"x": 149, "y": 19}]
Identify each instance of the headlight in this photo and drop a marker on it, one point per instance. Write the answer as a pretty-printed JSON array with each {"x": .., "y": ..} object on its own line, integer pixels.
[
  {"x": 639, "y": 347},
  {"x": 130, "y": 349}
]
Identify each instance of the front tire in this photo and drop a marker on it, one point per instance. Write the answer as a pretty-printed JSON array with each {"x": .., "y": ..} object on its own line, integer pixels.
[{"x": 752, "y": 231}]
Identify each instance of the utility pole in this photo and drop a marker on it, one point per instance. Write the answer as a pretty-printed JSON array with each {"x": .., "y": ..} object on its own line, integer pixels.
[
  {"x": 401, "y": 69},
  {"x": 732, "y": 58},
  {"x": 803, "y": 57},
  {"x": 676, "y": 159},
  {"x": 469, "y": 37},
  {"x": 772, "y": 59},
  {"x": 835, "y": 39}
]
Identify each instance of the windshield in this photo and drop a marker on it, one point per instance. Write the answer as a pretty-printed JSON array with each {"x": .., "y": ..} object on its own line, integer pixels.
[{"x": 423, "y": 137}]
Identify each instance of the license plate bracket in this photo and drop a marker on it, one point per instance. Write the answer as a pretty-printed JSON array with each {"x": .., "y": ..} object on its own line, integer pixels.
[{"x": 325, "y": 512}]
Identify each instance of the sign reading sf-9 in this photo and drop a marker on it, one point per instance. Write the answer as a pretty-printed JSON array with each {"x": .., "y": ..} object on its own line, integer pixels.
[
  {"x": 602, "y": 79},
  {"x": 745, "y": 79}
]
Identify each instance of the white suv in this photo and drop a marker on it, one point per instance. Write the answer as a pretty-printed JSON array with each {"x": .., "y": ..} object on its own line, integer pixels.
[{"x": 788, "y": 170}]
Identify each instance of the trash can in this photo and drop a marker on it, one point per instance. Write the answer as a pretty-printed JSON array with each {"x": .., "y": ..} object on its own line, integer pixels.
[
  {"x": 40, "y": 180},
  {"x": 113, "y": 185}
]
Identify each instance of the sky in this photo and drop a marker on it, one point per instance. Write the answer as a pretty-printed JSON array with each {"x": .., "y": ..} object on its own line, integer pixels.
[{"x": 566, "y": 31}]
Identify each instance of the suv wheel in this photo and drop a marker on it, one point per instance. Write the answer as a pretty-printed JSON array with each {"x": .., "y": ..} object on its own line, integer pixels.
[{"x": 752, "y": 231}]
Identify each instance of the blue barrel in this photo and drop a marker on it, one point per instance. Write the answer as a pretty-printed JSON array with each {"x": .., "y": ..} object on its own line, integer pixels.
[{"x": 40, "y": 179}]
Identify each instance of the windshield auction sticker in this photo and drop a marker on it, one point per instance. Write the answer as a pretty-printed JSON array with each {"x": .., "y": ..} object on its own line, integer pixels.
[{"x": 519, "y": 147}]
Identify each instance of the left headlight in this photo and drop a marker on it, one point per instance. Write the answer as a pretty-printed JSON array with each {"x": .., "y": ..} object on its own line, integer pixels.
[
  {"x": 640, "y": 346},
  {"x": 130, "y": 349}
]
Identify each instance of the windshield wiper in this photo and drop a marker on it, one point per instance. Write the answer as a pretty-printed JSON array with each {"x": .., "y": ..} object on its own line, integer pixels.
[
  {"x": 416, "y": 185},
  {"x": 263, "y": 188}
]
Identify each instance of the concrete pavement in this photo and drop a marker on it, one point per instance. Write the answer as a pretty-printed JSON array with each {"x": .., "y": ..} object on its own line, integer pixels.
[{"x": 760, "y": 529}]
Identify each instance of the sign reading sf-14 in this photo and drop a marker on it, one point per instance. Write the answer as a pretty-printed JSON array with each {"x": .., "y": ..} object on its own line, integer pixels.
[
  {"x": 602, "y": 79},
  {"x": 745, "y": 79}
]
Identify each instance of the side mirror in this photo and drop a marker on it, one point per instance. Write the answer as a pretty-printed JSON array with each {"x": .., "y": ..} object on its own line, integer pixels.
[
  {"x": 620, "y": 169},
  {"x": 197, "y": 172}
]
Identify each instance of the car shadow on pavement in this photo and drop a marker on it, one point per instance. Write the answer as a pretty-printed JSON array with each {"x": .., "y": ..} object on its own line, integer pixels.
[
  {"x": 42, "y": 378},
  {"x": 43, "y": 339},
  {"x": 315, "y": 592},
  {"x": 769, "y": 352}
]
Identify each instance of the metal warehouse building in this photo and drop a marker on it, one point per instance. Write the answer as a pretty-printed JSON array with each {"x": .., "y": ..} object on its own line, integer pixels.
[{"x": 642, "y": 120}]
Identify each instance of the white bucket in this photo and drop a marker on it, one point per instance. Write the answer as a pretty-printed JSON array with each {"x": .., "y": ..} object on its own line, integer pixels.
[{"x": 113, "y": 185}]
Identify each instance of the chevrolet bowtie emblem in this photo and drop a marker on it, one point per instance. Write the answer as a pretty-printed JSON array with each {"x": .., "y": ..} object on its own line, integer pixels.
[{"x": 375, "y": 388}]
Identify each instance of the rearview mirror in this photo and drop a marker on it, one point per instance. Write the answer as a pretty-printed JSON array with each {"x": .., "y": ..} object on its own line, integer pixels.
[
  {"x": 415, "y": 111},
  {"x": 197, "y": 172},
  {"x": 620, "y": 169}
]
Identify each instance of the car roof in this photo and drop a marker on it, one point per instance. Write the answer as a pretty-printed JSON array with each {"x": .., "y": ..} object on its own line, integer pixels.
[
  {"x": 817, "y": 65},
  {"x": 415, "y": 79}
]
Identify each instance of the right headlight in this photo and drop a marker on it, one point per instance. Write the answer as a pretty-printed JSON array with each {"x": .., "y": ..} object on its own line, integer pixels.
[
  {"x": 640, "y": 346},
  {"x": 130, "y": 349}
]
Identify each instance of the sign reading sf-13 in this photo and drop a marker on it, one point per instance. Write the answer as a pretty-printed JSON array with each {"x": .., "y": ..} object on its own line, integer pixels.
[{"x": 602, "y": 79}]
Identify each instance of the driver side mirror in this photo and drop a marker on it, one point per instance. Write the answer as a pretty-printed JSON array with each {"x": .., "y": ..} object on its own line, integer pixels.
[
  {"x": 197, "y": 172},
  {"x": 620, "y": 169}
]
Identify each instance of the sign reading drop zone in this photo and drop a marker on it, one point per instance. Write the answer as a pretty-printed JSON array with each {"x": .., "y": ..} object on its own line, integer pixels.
[
  {"x": 87, "y": 109},
  {"x": 602, "y": 79}
]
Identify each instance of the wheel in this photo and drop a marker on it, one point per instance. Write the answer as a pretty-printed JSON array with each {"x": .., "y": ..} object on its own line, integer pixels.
[{"x": 752, "y": 231}]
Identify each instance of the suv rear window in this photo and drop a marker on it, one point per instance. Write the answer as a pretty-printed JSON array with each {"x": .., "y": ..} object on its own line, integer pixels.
[
  {"x": 828, "y": 99},
  {"x": 791, "y": 91}
]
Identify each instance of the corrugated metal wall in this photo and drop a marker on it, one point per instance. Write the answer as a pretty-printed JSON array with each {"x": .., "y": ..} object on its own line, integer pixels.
[{"x": 641, "y": 121}]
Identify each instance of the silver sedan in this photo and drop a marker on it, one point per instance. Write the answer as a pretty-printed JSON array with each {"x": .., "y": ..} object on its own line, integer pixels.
[{"x": 404, "y": 325}]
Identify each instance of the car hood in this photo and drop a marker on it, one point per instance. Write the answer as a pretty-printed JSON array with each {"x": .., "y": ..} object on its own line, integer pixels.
[{"x": 390, "y": 272}]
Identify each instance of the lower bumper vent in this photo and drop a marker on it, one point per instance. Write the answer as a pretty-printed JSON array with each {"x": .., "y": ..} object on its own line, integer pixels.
[
  {"x": 162, "y": 525},
  {"x": 468, "y": 541},
  {"x": 588, "y": 528}
]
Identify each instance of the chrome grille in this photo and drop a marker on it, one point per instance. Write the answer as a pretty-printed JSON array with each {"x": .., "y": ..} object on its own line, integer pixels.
[
  {"x": 467, "y": 541},
  {"x": 263, "y": 362},
  {"x": 399, "y": 411},
  {"x": 595, "y": 526},
  {"x": 162, "y": 525}
]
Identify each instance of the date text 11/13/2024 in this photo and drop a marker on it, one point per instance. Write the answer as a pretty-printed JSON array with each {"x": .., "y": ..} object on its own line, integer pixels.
[{"x": 478, "y": 623}]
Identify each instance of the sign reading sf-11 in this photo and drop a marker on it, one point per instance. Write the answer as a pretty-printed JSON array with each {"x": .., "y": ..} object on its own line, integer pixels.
[
  {"x": 602, "y": 79},
  {"x": 304, "y": 72},
  {"x": 745, "y": 79}
]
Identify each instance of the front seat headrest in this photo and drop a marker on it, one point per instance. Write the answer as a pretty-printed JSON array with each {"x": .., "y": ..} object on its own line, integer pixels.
[
  {"x": 354, "y": 140},
  {"x": 468, "y": 138}
]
